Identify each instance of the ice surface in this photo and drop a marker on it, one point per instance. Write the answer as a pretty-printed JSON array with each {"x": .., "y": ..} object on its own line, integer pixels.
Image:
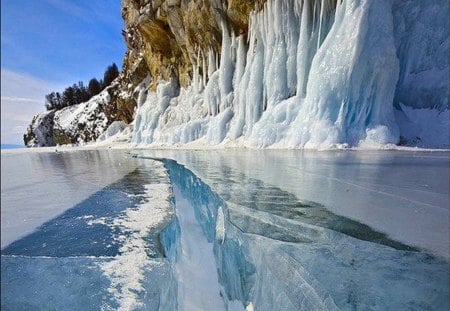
[
  {"x": 196, "y": 273},
  {"x": 104, "y": 252},
  {"x": 313, "y": 74},
  {"x": 262, "y": 230},
  {"x": 37, "y": 187},
  {"x": 387, "y": 190},
  {"x": 269, "y": 259}
]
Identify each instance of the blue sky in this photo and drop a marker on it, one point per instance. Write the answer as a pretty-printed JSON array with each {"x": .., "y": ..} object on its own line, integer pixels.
[{"x": 47, "y": 45}]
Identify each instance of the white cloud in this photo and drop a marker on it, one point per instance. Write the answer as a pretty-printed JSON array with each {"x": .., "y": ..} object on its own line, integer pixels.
[{"x": 22, "y": 96}]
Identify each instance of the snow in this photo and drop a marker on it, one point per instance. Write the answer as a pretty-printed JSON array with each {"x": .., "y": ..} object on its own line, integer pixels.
[
  {"x": 311, "y": 75},
  {"x": 40, "y": 128},
  {"x": 115, "y": 128},
  {"x": 77, "y": 124},
  {"x": 127, "y": 270},
  {"x": 86, "y": 120}
]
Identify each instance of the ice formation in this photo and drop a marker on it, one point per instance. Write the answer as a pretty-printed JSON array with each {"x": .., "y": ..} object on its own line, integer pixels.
[
  {"x": 310, "y": 74},
  {"x": 267, "y": 260}
]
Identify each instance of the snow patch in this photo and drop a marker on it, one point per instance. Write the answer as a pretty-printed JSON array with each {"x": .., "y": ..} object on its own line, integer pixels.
[{"x": 127, "y": 270}]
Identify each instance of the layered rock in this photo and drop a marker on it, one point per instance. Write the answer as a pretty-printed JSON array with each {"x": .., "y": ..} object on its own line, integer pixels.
[{"x": 175, "y": 35}]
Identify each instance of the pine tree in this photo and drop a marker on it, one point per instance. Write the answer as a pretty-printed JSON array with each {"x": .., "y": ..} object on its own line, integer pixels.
[
  {"x": 94, "y": 87},
  {"x": 78, "y": 93},
  {"x": 68, "y": 97},
  {"x": 110, "y": 74},
  {"x": 50, "y": 101}
]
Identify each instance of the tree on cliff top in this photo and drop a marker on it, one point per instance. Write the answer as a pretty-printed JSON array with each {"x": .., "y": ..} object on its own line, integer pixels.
[
  {"x": 110, "y": 74},
  {"x": 78, "y": 93},
  {"x": 94, "y": 87}
]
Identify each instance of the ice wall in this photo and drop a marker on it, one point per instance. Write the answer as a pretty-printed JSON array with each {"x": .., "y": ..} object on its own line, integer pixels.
[
  {"x": 310, "y": 74},
  {"x": 422, "y": 40}
]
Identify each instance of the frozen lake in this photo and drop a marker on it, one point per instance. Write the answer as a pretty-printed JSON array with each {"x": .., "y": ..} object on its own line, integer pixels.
[{"x": 273, "y": 230}]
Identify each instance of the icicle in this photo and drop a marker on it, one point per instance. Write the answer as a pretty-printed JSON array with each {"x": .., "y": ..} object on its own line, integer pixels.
[
  {"x": 204, "y": 69},
  {"x": 320, "y": 24},
  {"x": 240, "y": 61},
  {"x": 212, "y": 65},
  {"x": 226, "y": 68},
  {"x": 303, "y": 49}
]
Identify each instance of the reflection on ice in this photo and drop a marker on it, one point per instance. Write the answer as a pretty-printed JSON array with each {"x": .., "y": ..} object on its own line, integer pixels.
[
  {"x": 37, "y": 186},
  {"x": 273, "y": 200}
]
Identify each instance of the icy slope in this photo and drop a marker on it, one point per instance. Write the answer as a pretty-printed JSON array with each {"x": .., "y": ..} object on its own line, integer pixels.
[{"x": 311, "y": 74}]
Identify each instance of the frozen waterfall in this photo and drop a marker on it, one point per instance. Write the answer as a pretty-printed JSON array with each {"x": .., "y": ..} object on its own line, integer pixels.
[{"x": 313, "y": 74}]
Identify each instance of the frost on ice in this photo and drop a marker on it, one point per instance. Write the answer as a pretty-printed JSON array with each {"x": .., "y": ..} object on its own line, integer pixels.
[{"x": 313, "y": 74}]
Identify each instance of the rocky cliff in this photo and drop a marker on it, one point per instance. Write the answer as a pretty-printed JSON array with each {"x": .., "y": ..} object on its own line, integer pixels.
[
  {"x": 172, "y": 36},
  {"x": 282, "y": 73},
  {"x": 164, "y": 39}
]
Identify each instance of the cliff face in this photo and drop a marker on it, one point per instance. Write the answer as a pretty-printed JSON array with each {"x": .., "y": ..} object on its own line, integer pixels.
[
  {"x": 284, "y": 73},
  {"x": 164, "y": 39},
  {"x": 173, "y": 35}
]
